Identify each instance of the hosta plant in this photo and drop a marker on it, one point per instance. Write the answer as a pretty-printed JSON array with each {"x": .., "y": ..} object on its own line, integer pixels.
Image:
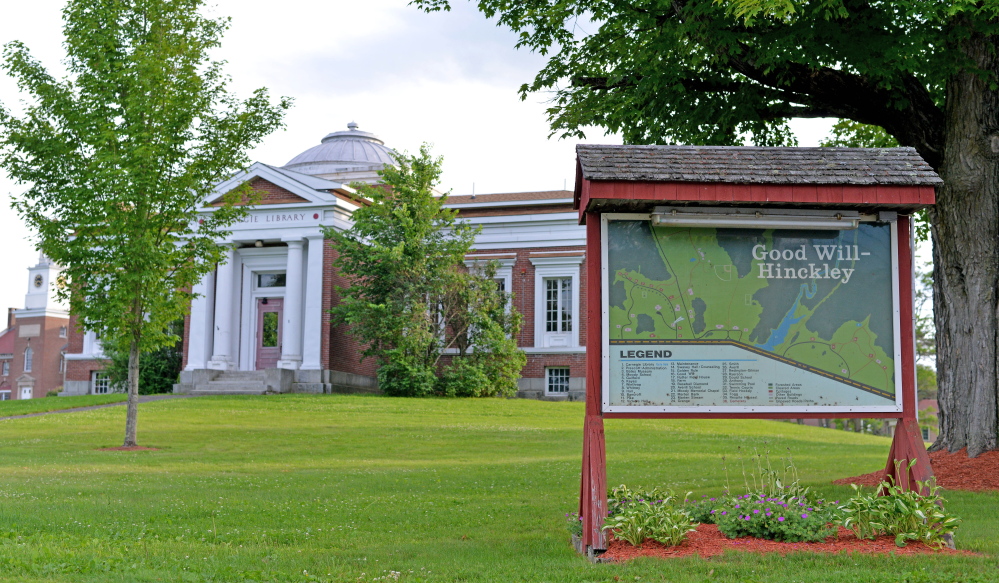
[
  {"x": 635, "y": 515},
  {"x": 905, "y": 514}
]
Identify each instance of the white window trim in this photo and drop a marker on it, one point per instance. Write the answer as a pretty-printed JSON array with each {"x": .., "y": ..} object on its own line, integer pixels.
[
  {"x": 504, "y": 268},
  {"x": 546, "y": 267},
  {"x": 93, "y": 382},
  {"x": 548, "y": 391},
  {"x": 29, "y": 359},
  {"x": 5, "y": 368}
]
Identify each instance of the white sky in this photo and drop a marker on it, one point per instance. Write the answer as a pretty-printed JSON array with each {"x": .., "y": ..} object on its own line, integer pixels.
[{"x": 449, "y": 79}]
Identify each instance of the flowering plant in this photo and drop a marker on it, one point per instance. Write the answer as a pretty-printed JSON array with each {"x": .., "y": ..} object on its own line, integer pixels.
[
  {"x": 655, "y": 519},
  {"x": 574, "y": 523},
  {"x": 786, "y": 520}
]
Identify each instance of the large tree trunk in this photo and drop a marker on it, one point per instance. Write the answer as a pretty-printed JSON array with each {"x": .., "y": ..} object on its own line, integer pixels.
[
  {"x": 965, "y": 229},
  {"x": 132, "y": 416}
]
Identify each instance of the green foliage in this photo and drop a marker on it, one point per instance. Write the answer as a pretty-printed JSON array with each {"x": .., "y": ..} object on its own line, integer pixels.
[
  {"x": 119, "y": 156},
  {"x": 411, "y": 299},
  {"x": 905, "y": 514},
  {"x": 656, "y": 514},
  {"x": 764, "y": 481},
  {"x": 790, "y": 519},
  {"x": 158, "y": 370},
  {"x": 574, "y": 523},
  {"x": 851, "y": 134},
  {"x": 704, "y": 510},
  {"x": 725, "y": 72}
]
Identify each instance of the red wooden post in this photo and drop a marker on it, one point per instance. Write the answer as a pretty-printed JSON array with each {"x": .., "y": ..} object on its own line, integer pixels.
[
  {"x": 593, "y": 489},
  {"x": 907, "y": 444}
]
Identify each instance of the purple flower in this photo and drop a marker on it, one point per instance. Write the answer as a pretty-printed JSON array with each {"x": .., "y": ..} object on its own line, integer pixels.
[
  {"x": 712, "y": 499},
  {"x": 780, "y": 519},
  {"x": 736, "y": 505},
  {"x": 747, "y": 518},
  {"x": 757, "y": 511},
  {"x": 769, "y": 513},
  {"x": 712, "y": 512},
  {"x": 723, "y": 512},
  {"x": 804, "y": 516}
]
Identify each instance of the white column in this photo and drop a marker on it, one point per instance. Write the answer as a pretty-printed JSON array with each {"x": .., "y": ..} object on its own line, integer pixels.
[
  {"x": 291, "y": 339},
  {"x": 221, "y": 359},
  {"x": 313, "y": 324},
  {"x": 199, "y": 334}
]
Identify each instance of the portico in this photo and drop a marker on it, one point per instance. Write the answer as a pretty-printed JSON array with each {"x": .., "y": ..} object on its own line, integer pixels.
[{"x": 262, "y": 307}]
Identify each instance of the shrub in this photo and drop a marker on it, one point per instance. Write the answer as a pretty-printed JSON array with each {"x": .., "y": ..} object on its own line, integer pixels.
[
  {"x": 704, "y": 510},
  {"x": 906, "y": 515},
  {"x": 657, "y": 520},
  {"x": 401, "y": 377},
  {"x": 574, "y": 523},
  {"x": 786, "y": 520},
  {"x": 635, "y": 515}
]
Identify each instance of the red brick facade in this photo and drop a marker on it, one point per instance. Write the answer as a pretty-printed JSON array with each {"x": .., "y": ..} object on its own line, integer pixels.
[
  {"x": 340, "y": 352},
  {"x": 47, "y": 336}
]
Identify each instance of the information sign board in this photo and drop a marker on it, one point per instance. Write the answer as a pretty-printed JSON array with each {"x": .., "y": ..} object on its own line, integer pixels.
[{"x": 734, "y": 320}]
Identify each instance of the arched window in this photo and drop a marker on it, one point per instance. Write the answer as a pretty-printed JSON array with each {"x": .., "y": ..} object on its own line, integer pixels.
[{"x": 28, "y": 357}]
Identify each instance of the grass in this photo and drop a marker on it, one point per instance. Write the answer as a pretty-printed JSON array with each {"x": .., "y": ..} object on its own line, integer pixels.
[
  {"x": 28, "y": 406},
  {"x": 352, "y": 488}
]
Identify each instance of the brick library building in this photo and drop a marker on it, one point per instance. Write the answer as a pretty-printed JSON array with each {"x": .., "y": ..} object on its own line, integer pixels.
[{"x": 261, "y": 320}]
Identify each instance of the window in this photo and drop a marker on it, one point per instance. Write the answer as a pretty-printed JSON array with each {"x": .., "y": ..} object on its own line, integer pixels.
[
  {"x": 62, "y": 331},
  {"x": 5, "y": 368},
  {"x": 270, "y": 280},
  {"x": 29, "y": 355},
  {"x": 270, "y": 335},
  {"x": 4, "y": 395},
  {"x": 62, "y": 362},
  {"x": 558, "y": 304},
  {"x": 556, "y": 300},
  {"x": 926, "y": 434},
  {"x": 101, "y": 383},
  {"x": 557, "y": 380},
  {"x": 500, "y": 283}
]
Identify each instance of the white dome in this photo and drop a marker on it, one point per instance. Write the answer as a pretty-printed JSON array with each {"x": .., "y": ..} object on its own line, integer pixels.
[{"x": 346, "y": 151}]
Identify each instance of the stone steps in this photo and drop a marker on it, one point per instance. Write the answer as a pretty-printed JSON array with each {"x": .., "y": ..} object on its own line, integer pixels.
[{"x": 234, "y": 383}]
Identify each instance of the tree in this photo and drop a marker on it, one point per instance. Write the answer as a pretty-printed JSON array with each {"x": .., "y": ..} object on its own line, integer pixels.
[
  {"x": 410, "y": 298},
  {"x": 158, "y": 370},
  {"x": 730, "y": 71},
  {"x": 120, "y": 154}
]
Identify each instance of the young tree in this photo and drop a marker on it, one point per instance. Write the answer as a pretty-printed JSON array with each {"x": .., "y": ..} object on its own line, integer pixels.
[
  {"x": 411, "y": 298},
  {"x": 724, "y": 71},
  {"x": 120, "y": 154}
]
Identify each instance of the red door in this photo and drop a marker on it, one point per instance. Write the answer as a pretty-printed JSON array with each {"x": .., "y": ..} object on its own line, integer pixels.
[{"x": 268, "y": 332}]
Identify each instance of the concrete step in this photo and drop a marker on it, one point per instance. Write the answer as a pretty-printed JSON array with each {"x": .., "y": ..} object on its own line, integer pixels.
[
  {"x": 241, "y": 375},
  {"x": 218, "y": 392}
]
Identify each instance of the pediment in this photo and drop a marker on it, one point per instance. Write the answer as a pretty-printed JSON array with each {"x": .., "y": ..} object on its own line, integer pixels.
[{"x": 278, "y": 186}]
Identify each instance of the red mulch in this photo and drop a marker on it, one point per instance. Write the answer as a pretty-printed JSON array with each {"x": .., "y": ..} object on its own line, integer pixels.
[
  {"x": 129, "y": 448},
  {"x": 954, "y": 471},
  {"x": 707, "y": 541}
]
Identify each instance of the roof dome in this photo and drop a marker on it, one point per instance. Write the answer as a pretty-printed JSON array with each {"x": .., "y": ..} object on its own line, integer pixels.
[{"x": 343, "y": 151}]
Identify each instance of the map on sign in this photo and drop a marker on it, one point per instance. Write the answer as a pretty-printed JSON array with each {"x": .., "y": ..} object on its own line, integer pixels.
[{"x": 729, "y": 319}]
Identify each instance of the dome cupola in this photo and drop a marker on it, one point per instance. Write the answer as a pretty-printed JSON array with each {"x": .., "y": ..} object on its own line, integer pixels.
[{"x": 346, "y": 156}]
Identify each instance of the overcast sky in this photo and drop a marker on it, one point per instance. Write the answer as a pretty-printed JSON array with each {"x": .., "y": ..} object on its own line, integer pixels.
[{"x": 449, "y": 79}]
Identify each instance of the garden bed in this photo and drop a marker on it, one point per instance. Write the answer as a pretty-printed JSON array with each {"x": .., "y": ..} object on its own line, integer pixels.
[
  {"x": 953, "y": 471},
  {"x": 707, "y": 541}
]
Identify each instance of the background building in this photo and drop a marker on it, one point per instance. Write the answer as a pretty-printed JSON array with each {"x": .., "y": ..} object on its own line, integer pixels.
[
  {"x": 261, "y": 322},
  {"x": 33, "y": 346}
]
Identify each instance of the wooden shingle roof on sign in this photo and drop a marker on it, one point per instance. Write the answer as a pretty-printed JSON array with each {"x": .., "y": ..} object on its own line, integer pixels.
[
  {"x": 753, "y": 165},
  {"x": 636, "y": 178}
]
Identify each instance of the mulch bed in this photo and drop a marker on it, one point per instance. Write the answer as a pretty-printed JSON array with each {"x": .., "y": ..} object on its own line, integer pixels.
[
  {"x": 707, "y": 541},
  {"x": 130, "y": 448},
  {"x": 954, "y": 471}
]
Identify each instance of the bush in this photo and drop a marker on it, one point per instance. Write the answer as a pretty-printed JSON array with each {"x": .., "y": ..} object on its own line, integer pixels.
[
  {"x": 399, "y": 377},
  {"x": 158, "y": 370},
  {"x": 791, "y": 520},
  {"x": 906, "y": 515},
  {"x": 463, "y": 378},
  {"x": 635, "y": 515}
]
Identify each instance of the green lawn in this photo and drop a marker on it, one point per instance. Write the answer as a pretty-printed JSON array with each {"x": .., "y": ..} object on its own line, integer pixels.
[
  {"x": 27, "y": 406},
  {"x": 349, "y": 488}
]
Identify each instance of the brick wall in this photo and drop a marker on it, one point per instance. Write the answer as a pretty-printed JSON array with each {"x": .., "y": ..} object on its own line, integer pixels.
[
  {"x": 523, "y": 289},
  {"x": 47, "y": 348},
  {"x": 340, "y": 351},
  {"x": 269, "y": 193}
]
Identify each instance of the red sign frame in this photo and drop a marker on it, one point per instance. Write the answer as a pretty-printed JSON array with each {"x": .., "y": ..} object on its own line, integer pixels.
[{"x": 907, "y": 443}]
